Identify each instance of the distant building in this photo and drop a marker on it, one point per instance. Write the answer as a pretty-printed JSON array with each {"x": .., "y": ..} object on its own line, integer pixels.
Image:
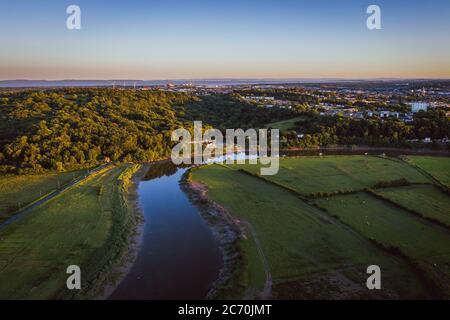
[
  {"x": 387, "y": 114},
  {"x": 419, "y": 106},
  {"x": 357, "y": 115},
  {"x": 407, "y": 117},
  {"x": 384, "y": 114}
]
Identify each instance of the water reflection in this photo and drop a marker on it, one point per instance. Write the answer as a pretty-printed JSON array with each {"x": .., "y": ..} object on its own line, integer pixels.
[{"x": 178, "y": 258}]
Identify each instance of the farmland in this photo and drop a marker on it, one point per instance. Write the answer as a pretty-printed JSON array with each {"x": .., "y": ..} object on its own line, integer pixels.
[
  {"x": 426, "y": 244},
  {"x": 437, "y": 167},
  {"x": 330, "y": 174},
  {"x": 85, "y": 226},
  {"x": 320, "y": 224},
  {"x": 427, "y": 201},
  {"x": 16, "y": 191}
]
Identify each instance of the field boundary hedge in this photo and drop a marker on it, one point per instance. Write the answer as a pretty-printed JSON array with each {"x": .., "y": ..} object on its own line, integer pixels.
[
  {"x": 416, "y": 213},
  {"x": 428, "y": 281}
]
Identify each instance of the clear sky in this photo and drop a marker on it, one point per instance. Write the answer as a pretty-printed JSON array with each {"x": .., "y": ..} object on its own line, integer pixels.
[{"x": 182, "y": 39}]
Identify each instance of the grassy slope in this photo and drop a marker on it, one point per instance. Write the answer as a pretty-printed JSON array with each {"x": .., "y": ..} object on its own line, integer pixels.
[
  {"x": 78, "y": 227},
  {"x": 24, "y": 189},
  {"x": 284, "y": 125},
  {"x": 429, "y": 201},
  {"x": 301, "y": 242},
  {"x": 332, "y": 173},
  {"x": 438, "y": 167},
  {"x": 427, "y": 244}
]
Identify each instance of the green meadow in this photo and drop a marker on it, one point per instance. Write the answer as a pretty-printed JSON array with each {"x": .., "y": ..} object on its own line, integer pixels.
[
  {"x": 303, "y": 245},
  {"x": 437, "y": 167},
  {"x": 319, "y": 242},
  {"x": 86, "y": 226},
  {"x": 426, "y": 200},
  {"x": 16, "y": 191},
  {"x": 285, "y": 125},
  {"x": 328, "y": 174},
  {"x": 426, "y": 244}
]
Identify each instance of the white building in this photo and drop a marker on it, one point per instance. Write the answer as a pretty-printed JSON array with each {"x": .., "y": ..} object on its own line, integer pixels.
[{"x": 418, "y": 106}]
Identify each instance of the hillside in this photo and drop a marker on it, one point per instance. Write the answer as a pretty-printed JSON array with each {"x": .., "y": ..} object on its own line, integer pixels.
[{"x": 68, "y": 129}]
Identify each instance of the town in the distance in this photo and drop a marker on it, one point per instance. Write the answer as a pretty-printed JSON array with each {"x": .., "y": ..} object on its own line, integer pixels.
[{"x": 372, "y": 100}]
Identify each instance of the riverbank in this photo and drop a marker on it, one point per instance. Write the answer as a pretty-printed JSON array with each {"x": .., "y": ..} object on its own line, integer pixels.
[
  {"x": 227, "y": 231},
  {"x": 130, "y": 198}
]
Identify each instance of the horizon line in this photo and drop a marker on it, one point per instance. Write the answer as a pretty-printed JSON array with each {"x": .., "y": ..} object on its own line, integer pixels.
[{"x": 233, "y": 78}]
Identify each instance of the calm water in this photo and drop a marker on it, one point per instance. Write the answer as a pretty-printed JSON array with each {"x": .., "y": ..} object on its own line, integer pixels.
[{"x": 179, "y": 258}]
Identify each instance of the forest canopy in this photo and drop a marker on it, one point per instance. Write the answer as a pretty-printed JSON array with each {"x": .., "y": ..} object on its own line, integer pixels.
[{"x": 67, "y": 129}]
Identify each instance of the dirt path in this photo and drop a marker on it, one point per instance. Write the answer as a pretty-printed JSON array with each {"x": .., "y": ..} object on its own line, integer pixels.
[{"x": 267, "y": 291}]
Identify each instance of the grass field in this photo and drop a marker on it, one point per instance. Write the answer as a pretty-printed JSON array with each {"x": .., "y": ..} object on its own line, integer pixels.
[
  {"x": 329, "y": 174},
  {"x": 438, "y": 167},
  {"x": 301, "y": 243},
  {"x": 284, "y": 125},
  {"x": 426, "y": 244},
  {"x": 426, "y": 200},
  {"x": 16, "y": 191},
  {"x": 323, "y": 252},
  {"x": 82, "y": 226}
]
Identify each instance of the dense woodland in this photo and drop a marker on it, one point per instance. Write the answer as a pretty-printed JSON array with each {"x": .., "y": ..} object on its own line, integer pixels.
[{"x": 67, "y": 129}]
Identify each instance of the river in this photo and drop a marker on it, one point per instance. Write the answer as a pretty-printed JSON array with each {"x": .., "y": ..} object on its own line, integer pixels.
[{"x": 178, "y": 257}]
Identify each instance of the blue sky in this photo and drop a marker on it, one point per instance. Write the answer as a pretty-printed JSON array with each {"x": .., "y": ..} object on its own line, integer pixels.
[{"x": 224, "y": 39}]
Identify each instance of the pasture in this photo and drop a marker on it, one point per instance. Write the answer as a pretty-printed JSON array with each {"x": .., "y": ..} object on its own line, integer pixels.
[
  {"x": 319, "y": 226},
  {"x": 82, "y": 226},
  {"x": 426, "y": 244},
  {"x": 16, "y": 191},
  {"x": 437, "y": 167},
  {"x": 426, "y": 200},
  {"x": 301, "y": 243},
  {"x": 328, "y": 174}
]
